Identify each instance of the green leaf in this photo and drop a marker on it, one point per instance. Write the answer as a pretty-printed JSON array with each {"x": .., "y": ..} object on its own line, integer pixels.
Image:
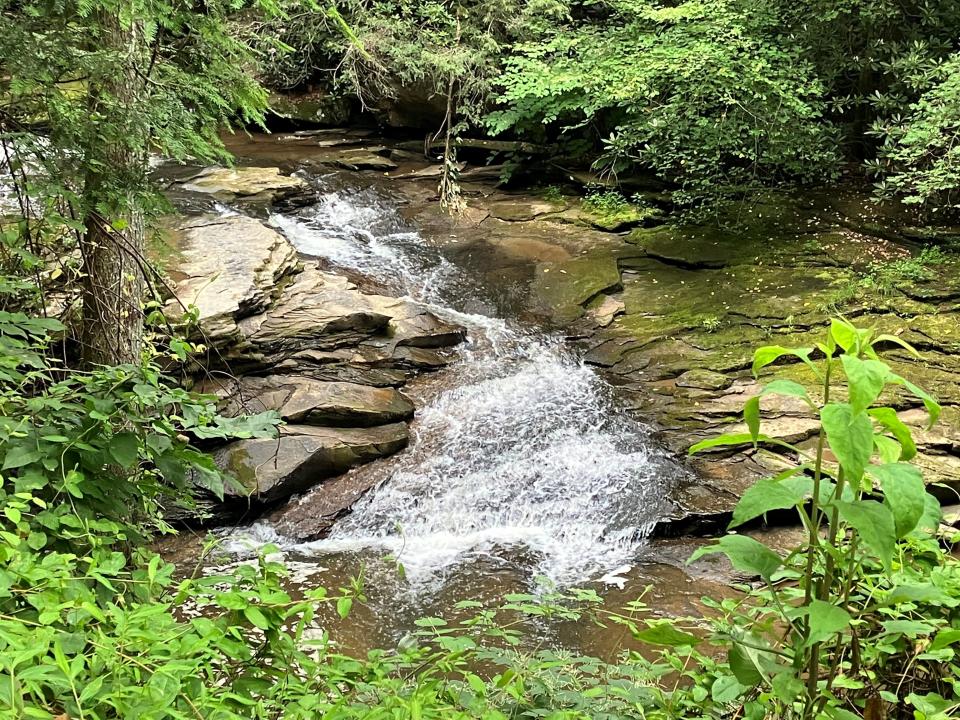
[
  {"x": 743, "y": 666},
  {"x": 904, "y": 494},
  {"x": 885, "y": 337},
  {"x": 889, "y": 419},
  {"x": 825, "y": 620},
  {"x": 787, "y": 686},
  {"x": 865, "y": 379},
  {"x": 771, "y": 494},
  {"x": 788, "y": 388},
  {"x": 745, "y": 554},
  {"x": 344, "y": 605},
  {"x": 945, "y": 638},
  {"x": 256, "y": 617},
  {"x": 721, "y": 441},
  {"x": 874, "y": 522},
  {"x": 20, "y": 455},
  {"x": 887, "y": 448},
  {"x": 931, "y": 405},
  {"x": 763, "y": 356},
  {"x": 664, "y": 633},
  {"x": 850, "y": 436},
  {"x": 751, "y": 416},
  {"x": 844, "y": 334},
  {"x": 726, "y": 689},
  {"x": 730, "y": 439},
  {"x": 125, "y": 449}
]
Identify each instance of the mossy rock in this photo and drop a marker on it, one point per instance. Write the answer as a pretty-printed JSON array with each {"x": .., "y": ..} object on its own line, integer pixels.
[{"x": 562, "y": 289}]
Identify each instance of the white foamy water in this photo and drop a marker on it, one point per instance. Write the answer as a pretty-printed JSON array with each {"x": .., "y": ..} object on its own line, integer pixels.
[{"x": 527, "y": 458}]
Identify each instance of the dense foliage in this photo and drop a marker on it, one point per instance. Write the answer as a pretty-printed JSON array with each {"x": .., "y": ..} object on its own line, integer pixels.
[
  {"x": 96, "y": 449},
  {"x": 709, "y": 94}
]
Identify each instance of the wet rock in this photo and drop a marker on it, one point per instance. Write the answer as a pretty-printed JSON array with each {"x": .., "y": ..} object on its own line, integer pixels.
[
  {"x": 365, "y": 159},
  {"x": 304, "y": 400},
  {"x": 229, "y": 268},
  {"x": 303, "y": 456},
  {"x": 563, "y": 288},
  {"x": 230, "y": 183},
  {"x": 311, "y": 108},
  {"x": 603, "y": 308},
  {"x": 704, "y": 380},
  {"x": 520, "y": 210},
  {"x": 610, "y": 352}
]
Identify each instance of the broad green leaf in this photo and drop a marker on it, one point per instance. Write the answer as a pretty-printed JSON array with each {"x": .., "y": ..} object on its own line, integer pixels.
[
  {"x": 945, "y": 638},
  {"x": 731, "y": 439},
  {"x": 932, "y": 515},
  {"x": 743, "y": 666},
  {"x": 904, "y": 494},
  {"x": 874, "y": 522},
  {"x": 664, "y": 633},
  {"x": 844, "y": 334},
  {"x": 925, "y": 593},
  {"x": 786, "y": 387},
  {"x": 344, "y": 605},
  {"x": 726, "y": 689},
  {"x": 889, "y": 419},
  {"x": 721, "y": 441},
  {"x": 763, "y": 356},
  {"x": 887, "y": 448},
  {"x": 256, "y": 617},
  {"x": 771, "y": 494},
  {"x": 931, "y": 405},
  {"x": 825, "y": 620},
  {"x": 911, "y": 628},
  {"x": 865, "y": 381},
  {"x": 787, "y": 686},
  {"x": 850, "y": 436},
  {"x": 745, "y": 554},
  {"x": 125, "y": 449},
  {"x": 20, "y": 455}
]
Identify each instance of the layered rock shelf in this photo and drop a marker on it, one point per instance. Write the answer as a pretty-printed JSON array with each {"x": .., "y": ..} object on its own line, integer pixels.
[
  {"x": 669, "y": 313},
  {"x": 282, "y": 335}
]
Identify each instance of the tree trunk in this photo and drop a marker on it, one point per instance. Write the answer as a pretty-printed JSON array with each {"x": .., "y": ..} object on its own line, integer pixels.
[{"x": 112, "y": 246}]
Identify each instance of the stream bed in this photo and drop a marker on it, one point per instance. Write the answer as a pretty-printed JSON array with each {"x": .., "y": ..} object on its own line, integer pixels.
[{"x": 525, "y": 472}]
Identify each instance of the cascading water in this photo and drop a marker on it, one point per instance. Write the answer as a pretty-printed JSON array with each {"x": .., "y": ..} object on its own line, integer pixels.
[{"x": 526, "y": 460}]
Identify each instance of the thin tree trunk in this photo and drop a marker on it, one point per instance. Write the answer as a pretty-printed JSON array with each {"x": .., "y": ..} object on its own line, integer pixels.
[{"x": 112, "y": 247}]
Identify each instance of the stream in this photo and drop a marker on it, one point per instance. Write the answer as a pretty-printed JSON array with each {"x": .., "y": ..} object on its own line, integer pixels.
[{"x": 524, "y": 470}]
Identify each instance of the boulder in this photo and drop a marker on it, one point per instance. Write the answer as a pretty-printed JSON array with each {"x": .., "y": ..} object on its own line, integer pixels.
[
  {"x": 326, "y": 312},
  {"x": 229, "y": 268},
  {"x": 303, "y": 400},
  {"x": 302, "y": 456}
]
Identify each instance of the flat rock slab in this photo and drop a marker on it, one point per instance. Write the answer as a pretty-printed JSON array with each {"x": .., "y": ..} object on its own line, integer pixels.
[
  {"x": 304, "y": 400},
  {"x": 229, "y": 267},
  {"x": 562, "y": 289},
  {"x": 321, "y": 311},
  {"x": 303, "y": 456},
  {"x": 228, "y": 183}
]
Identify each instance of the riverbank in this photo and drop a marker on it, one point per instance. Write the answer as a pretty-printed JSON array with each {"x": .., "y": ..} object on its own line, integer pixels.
[{"x": 667, "y": 315}]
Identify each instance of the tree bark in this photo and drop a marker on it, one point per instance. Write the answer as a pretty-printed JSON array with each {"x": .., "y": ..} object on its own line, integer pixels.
[{"x": 112, "y": 246}]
